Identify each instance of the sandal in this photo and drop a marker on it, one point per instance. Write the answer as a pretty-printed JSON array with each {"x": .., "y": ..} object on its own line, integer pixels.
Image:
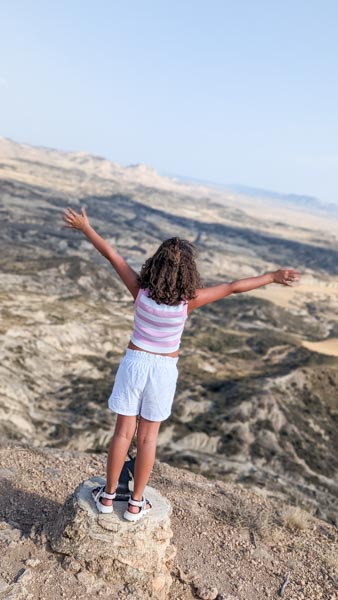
[
  {"x": 142, "y": 508},
  {"x": 98, "y": 493}
]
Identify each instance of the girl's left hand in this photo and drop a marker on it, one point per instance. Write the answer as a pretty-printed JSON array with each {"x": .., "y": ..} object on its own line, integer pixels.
[
  {"x": 286, "y": 276},
  {"x": 74, "y": 220}
]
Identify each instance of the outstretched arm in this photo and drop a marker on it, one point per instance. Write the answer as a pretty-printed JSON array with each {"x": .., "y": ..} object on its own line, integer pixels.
[
  {"x": 216, "y": 292},
  {"x": 75, "y": 221}
]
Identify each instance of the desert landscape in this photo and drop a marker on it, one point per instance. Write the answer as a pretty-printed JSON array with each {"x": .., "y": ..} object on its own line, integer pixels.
[{"x": 257, "y": 399}]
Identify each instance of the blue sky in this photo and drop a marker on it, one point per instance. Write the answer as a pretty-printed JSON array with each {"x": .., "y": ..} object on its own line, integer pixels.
[{"x": 227, "y": 91}]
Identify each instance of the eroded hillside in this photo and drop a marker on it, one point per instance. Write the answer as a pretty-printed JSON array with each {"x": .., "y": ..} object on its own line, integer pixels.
[{"x": 255, "y": 404}]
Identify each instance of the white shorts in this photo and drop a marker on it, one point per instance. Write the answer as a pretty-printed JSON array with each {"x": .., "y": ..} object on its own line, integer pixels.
[{"x": 144, "y": 385}]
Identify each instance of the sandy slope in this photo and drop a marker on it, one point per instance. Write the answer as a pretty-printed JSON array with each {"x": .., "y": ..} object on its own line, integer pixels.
[{"x": 328, "y": 347}]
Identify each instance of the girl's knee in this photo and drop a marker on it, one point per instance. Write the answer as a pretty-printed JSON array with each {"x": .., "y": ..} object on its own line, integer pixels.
[
  {"x": 125, "y": 427},
  {"x": 147, "y": 431},
  {"x": 146, "y": 439},
  {"x": 124, "y": 434}
]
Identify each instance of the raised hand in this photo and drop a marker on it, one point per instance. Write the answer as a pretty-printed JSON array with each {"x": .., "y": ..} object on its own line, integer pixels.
[
  {"x": 286, "y": 276},
  {"x": 74, "y": 220}
]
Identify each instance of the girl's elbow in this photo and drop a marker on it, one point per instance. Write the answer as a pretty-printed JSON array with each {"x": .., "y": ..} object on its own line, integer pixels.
[{"x": 230, "y": 289}]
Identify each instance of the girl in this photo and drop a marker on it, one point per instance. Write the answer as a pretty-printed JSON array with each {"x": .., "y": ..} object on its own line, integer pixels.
[{"x": 167, "y": 289}]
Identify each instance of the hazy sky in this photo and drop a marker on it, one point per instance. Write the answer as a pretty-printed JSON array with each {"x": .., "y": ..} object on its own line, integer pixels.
[{"x": 241, "y": 91}]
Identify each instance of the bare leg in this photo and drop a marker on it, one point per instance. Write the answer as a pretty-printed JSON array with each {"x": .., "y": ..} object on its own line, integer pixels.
[
  {"x": 124, "y": 432},
  {"x": 146, "y": 450}
]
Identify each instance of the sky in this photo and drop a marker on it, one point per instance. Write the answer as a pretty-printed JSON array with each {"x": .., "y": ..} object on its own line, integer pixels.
[{"x": 229, "y": 91}]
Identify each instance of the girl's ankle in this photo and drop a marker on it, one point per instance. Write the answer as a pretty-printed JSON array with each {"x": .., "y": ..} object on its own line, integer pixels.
[
  {"x": 110, "y": 489},
  {"x": 138, "y": 497}
]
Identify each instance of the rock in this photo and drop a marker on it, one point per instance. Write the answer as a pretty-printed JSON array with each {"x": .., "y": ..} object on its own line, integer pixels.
[
  {"x": 14, "y": 593},
  {"x": 108, "y": 547},
  {"x": 70, "y": 564},
  {"x": 25, "y": 576},
  {"x": 4, "y": 586},
  {"x": 187, "y": 577},
  {"x": 91, "y": 582},
  {"x": 205, "y": 592},
  {"x": 52, "y": 472},
  {"x": 9, "y": 535},
  {"x": 38, "y": 535},
  {"x": 32, "y": 562}
]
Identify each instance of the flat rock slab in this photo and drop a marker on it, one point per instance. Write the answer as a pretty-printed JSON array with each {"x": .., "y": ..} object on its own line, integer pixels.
[{"x": 135, "y": 556}]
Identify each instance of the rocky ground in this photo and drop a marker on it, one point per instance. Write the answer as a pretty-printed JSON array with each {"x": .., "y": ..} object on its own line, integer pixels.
[{"x": 231, "y": 543}]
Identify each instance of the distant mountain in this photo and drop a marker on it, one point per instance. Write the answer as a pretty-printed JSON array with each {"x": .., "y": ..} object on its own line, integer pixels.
[
  {"x": 312, "y": 203},
  {"x": 245, "y": 190}
]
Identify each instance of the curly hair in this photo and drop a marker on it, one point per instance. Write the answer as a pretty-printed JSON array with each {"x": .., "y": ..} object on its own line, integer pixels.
[{"x": 171, "y": 274}]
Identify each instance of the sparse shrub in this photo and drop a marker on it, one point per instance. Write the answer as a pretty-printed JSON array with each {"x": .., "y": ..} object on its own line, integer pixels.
[
  {"x": 241, "y": 513},
  {"x": 331, "y": 559},
  {"x": 295, "y": 517}
]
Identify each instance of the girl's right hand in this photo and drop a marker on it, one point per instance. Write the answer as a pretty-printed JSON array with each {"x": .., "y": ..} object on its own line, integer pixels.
[{"x": 74, "y": 220}]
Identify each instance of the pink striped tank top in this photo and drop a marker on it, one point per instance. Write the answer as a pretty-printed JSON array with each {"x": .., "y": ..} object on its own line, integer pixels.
[{"x": 158, "y": 327}]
